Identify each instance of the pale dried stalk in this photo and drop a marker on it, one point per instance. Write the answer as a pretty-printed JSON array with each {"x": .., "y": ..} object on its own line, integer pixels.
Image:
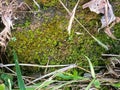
[
  {"x": 72, "y": 18},
  {"x": 36, "y": 4},
  {"x": 35, "y": 65}
]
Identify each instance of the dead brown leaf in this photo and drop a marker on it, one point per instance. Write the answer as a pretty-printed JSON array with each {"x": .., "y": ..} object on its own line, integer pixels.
[{"x": 104, "y": 7}]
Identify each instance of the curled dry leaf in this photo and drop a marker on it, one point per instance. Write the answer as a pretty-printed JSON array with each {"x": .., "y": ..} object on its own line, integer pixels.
[
  {"x": 109, "y": 16},
  {"x": 104, "y": 7}
]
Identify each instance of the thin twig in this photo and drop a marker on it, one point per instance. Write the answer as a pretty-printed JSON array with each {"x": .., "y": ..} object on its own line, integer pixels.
[
  {"x": 35, "y": 65},
  {"x": 83, "y": 69},
  {"x": 52, "y": 73},
  {"x": 72, "y": 18},
  {"x": 36, "y": 4},
  {"x": 110, "y": 55},
  {"x": 22, "y": 76},
  {"x": 31, "y": 11},
  {"x": 16, "y": 74}
]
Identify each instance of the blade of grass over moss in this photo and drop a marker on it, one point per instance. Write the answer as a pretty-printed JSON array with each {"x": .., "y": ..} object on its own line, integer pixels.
[
  {"x": 98, "y": 41},
  {"x": 91, "y": 67},
  {"x": 18, "y": 71},
  {"x": 72, "y": 18}
]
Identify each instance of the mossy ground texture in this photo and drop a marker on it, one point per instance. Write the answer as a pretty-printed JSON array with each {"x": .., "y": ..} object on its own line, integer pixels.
[{"x": 47, "y": 40}]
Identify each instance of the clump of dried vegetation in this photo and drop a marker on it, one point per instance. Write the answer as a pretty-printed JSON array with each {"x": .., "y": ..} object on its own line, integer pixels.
[{"x": 8, "y": 14}]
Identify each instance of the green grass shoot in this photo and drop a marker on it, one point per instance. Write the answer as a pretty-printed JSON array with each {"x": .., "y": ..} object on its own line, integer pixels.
[{"x": 18, "y": 71}]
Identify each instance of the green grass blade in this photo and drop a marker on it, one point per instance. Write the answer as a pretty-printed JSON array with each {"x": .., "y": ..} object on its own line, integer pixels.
[
  {"x": 100, "y": 43},
  {"x": 18, "y": 71},
  {"x": 90, "y": 84},
  {"x": 44, "y": 84},
  {"x": 91, "y": 67},
  {"x": 68, "y": 76},
  {"x": 65, "y": 76},
  {"x": 117, "y": 85},
  {"x": 2, "y": 87},
  {"x": 10, "y": 86}
]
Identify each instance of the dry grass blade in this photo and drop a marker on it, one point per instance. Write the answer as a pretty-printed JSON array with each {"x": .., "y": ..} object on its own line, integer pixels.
[
  {"x": 83, "y": 69},
  {"x": 91, "y": 67},
  {"x": 72, "y": 18},
  {"x": 64, "y": 84},
  {"x": 52, "y": 73},
  {"x": 111, "y": 71},
  {"x": 110, "y": 55},
  {"x": 36, "y": 4},
  {"x": 35, "y": 65}
]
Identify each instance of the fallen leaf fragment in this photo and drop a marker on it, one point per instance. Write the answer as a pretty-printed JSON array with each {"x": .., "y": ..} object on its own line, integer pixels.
[
  {"x": 96, "y": 6},
  {"x": 104, "y": 7},
  {"x": 108, "y": 15}
]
